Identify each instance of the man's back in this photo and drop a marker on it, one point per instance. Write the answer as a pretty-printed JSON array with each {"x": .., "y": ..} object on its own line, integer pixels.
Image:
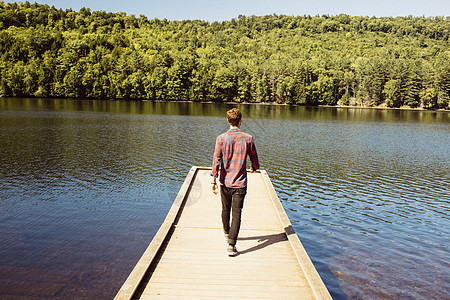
[{"x": 232, "y": 148}]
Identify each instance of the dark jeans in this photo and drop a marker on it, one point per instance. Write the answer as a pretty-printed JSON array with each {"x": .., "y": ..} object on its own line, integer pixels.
[{"x": 232, "y": 202}]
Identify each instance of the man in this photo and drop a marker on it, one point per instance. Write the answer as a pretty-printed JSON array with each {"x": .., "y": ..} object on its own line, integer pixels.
[{"x": 229, "y": 164}]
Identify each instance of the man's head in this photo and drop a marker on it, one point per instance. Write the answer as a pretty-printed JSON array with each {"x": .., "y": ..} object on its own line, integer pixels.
[{"x": 234, "y": 117}]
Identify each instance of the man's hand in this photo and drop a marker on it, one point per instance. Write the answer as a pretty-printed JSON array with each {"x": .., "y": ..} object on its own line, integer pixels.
[
  {"x": 252, "y": 170},
  {"x": 215, "y": 188}
]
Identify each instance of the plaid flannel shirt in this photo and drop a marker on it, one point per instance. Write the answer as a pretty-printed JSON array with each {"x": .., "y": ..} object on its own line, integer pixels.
[{"x": 230, "y": 158}]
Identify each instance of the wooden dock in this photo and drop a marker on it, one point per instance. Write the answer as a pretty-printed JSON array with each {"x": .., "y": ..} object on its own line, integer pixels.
[{"x": 187, "y": 258}]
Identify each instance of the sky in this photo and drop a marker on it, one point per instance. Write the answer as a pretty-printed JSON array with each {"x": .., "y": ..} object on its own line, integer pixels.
[{"x": 224, "y": 10}]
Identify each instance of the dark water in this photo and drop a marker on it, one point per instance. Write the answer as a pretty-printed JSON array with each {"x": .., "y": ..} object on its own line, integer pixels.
[{"x": 84, "y": 186}]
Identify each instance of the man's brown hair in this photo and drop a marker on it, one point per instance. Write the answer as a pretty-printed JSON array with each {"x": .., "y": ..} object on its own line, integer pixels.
[{"x": 234, "y": 116}]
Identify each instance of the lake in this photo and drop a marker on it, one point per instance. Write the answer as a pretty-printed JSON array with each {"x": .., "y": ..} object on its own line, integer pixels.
[{"x": 85, "y": 185}]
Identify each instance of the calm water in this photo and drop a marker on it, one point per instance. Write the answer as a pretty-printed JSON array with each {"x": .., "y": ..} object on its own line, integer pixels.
[{"x": 84, "y": 186}]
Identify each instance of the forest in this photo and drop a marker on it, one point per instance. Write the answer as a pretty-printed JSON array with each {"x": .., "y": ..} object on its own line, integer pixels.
[{"x": 305, "y": 60}]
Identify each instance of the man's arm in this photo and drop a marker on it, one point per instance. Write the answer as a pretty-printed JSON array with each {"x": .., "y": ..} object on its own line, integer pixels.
[
  {"x": 253, "y": 156},
  {"x": 216, "y": 164},
  {"x": 216, "y": 159}
]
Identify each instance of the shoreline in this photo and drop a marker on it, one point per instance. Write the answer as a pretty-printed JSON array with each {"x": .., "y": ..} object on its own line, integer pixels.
[
  {"x": 291, "y": 105},
  {"x": 381, "y": 107}
]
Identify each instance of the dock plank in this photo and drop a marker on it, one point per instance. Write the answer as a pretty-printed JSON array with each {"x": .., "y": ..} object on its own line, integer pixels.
[{"x": 190, "y": 261}]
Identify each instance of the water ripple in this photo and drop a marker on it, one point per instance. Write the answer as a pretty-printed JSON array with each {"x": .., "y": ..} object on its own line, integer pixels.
[{"x": 369, "y": 199}]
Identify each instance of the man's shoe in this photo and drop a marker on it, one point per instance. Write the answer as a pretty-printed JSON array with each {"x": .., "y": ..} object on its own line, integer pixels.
[
  {"x": 227, "y": 236},
  {"x": 231, "y": 250}
]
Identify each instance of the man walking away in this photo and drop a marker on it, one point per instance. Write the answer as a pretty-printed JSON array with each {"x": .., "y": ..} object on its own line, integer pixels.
[{"x": 229, "y": 164}]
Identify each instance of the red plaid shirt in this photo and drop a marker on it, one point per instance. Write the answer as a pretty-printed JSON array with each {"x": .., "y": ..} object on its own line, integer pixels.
[{"x": 230, "y": 157}]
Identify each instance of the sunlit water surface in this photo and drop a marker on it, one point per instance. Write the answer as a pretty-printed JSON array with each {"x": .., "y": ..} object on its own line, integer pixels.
[{"x": 84, "y": 186}]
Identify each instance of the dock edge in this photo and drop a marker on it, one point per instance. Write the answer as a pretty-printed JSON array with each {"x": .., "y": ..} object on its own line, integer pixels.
[
  {"x": 313, "y": 277},
  {"x": 133, "y": 281}
]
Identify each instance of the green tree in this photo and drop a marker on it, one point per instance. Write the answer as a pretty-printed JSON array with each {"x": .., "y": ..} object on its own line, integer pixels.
[
  {"x": 391, "y": 92},
  {"x": 429, "y": 98},
  {"x": 224, "y": 85},
  {"x": 305, "y": 60}
]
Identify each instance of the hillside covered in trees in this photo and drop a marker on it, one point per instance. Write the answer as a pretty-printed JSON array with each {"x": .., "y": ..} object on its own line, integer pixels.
[{"x": 320, "y": 60}]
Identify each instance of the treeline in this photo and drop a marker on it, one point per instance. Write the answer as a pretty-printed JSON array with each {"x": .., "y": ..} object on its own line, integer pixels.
[{"x": 320, "y": 60}]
